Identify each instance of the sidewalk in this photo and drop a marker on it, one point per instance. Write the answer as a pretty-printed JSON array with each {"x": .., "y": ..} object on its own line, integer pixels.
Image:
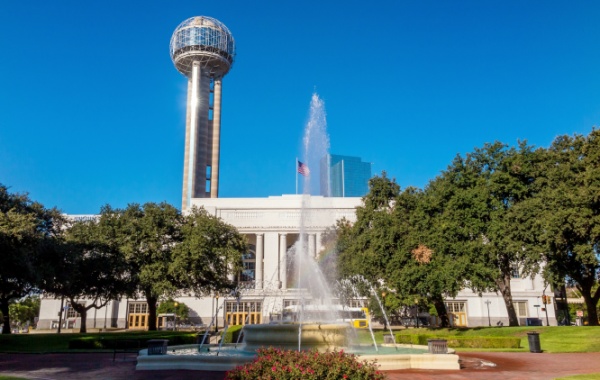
[{"x": 476, "y": 365}]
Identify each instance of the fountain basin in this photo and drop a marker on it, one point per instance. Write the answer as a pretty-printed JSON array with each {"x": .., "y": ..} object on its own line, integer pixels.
[
  {"x": 389, "y": 358},
  {"x": 320, "y": 336},
  {"x": 186, "y": 357}
]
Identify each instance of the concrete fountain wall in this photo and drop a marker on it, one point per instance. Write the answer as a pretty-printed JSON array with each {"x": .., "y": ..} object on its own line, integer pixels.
[{"x": 323, "y": 337}]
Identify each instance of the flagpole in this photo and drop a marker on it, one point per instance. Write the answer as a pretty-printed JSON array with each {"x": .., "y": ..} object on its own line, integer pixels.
[{"x": 296, "y": 171}]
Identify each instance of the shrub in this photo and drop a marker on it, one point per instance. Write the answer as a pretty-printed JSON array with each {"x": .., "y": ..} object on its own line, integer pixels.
[
  {"x": 92, "y": 342},
  {"x": 274, "y": 363},
  {"x": 232, "y": 334}
]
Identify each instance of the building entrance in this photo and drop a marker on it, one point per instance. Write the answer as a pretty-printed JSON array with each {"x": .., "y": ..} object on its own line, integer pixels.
[
  {"x": 137, "y": 316},
  {"x": 457, "y": 313},
  {"x": 243, "y": 313}
]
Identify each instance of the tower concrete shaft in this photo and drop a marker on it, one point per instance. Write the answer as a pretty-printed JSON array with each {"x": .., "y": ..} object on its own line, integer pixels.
[{"x": 202, "y": 136}]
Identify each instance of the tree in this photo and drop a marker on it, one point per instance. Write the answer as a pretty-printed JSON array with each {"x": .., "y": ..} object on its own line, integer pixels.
[
  {"x": 208, "y": 252},
  {"x": 146, "y": 236},
  {"x": 480, "y": 193},
  {"x": 366, "y": 246},
  {"x": 568, "y": 209},
  {"x": 381, "y": 247},
  {"x": 168, "y": 253},
  {"x": 26, "y": 228},
  {"x": 181, "y": 310},
  {"x": 23, "y": 312},
  {"x": 86, "y": 268}
]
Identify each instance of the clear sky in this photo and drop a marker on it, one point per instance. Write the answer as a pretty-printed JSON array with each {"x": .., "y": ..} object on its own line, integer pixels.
[{"x": 92, "y": 110}]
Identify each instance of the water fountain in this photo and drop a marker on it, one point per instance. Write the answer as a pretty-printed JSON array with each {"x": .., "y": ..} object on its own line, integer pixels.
[{"x": 324, "y": 334}]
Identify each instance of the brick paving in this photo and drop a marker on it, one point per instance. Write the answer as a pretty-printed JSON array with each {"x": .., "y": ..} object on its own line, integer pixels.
[{"x": 476, "y": 365}]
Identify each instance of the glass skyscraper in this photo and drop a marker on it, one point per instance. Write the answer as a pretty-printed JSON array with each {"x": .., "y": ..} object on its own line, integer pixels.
[{"x": 344, "y": 176}]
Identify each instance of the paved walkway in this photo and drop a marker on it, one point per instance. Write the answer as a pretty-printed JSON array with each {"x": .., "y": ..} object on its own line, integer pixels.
[{"x": 477, "y": 365}]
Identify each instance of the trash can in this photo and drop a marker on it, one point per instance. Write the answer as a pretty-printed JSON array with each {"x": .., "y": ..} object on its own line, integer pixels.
[
  {"x": 157, "y": 346},
  {"x": 534, "y": 342},
  {"x": 437, "y": 346}
]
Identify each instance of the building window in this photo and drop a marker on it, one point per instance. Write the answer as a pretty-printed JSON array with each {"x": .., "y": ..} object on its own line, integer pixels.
[
  {"x": 138, "y": 308},
  {"x": 243, "y": 307},
  {"x": 71, "y": 313},
  {"x": 356, "y": 303},
  {"x": 520, "y": 308},
  {"x": 455, "y": 307},
  {"x": 248, "y": 272},
  {"x": 514, "y": 271},
  {"x": 287, "y": 303}
]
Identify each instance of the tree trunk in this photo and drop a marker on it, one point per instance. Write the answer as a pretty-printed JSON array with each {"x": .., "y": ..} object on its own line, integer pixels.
[
  {"x": 151, "y": 312},
  {"x": 591, "y": 303},
  {"x": 504, "y": 287},
  {"x": 5, "y": 316},
  {"x": 440, "y": 308},
  {"x": 83, "y": 314}
]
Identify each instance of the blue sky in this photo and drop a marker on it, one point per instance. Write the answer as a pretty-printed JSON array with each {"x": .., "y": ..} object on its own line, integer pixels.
[{"x": 92, "y": 111}]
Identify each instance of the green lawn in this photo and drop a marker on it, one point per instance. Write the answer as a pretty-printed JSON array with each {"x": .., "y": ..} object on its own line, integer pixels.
[
  {"x": 591, "y": 376},
  {"x": 552, "y": 338}
]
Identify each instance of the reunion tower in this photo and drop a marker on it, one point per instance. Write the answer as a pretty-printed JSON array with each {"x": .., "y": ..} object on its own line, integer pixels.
[{"x": 202, "y": 49}]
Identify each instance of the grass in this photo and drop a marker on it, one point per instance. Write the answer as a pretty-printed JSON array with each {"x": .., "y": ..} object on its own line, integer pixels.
[
  {"x": 11, "y": 378},
  {"x": 552, "y": 338},
  {"x": 590, "y": 376}
]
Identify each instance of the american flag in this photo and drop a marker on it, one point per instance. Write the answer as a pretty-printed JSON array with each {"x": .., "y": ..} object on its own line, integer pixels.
[{"x": 303, "y": 169}]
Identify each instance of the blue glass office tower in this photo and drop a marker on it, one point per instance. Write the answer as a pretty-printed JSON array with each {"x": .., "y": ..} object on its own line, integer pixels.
[{"x": 344, "y": 176}]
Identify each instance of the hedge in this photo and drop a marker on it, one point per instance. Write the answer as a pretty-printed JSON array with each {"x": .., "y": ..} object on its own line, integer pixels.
[
  {"x": 462, "y": 341},
  {"x": 99, "y": 342},
  {"x": 126, "y": 342}
]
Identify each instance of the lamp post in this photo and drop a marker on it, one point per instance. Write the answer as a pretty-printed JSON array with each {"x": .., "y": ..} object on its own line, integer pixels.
[
  {"x": 62, "y": 302},
  {"x": 105, "y": 314},
  {"x": 217, "y": 313},
  {"x": 488, "y": 302},
  {"x": 175, "y": 304},
  {"x": 383, "y": 294},
  {"x": 417, "y": 316}
]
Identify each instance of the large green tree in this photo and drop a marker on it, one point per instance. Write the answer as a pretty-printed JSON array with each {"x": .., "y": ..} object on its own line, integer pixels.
[
  {"x": 478, "y": 217},
  {"x": 568, "y": 215},
  {"x": 169, "y": 253},
  {"x": 87, "y": 271},
  {"x": 209, "y": 254},
  {"x": 26, "y": 229},
  {"x": 146, "y": 236},
  {"x": 388, "y": 245}
]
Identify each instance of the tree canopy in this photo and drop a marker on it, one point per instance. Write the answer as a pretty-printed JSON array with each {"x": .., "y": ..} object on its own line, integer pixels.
[
  {"x": 169, "y": 253},
  {"x": 86, "y": 268},
  {"x": 27, "y": 228},
  {"x": 569, "y": 215}
]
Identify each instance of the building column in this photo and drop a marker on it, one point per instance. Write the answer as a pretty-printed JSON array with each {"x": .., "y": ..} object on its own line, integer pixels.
[
  {"x": 259, "y": 261},
  {"x": 283, "y": 261},
  {"x": 312, "y": 249},
  {"x": 319, "y": 242}
]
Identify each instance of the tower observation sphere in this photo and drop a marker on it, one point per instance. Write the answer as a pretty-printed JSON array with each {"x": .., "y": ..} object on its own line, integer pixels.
[
  {"x": 202, "y": 49},
  {"x": 205, "y": 40}
]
